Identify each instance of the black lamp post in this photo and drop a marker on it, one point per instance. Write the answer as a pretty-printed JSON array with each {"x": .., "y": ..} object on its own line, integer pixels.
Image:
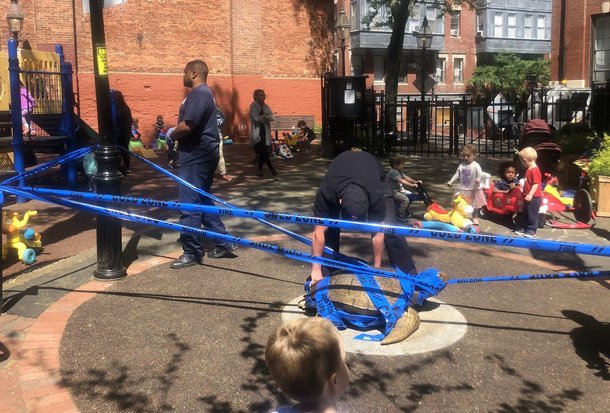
[
  {"x": 14, "y": 18},
  {"x": 108, "y": 179},
  {"x": 424, "y": 41},
  {"x": 342, "y": 30}
]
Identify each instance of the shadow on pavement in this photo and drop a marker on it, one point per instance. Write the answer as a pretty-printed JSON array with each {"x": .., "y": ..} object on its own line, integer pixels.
[{"x": 591, "y": 342}]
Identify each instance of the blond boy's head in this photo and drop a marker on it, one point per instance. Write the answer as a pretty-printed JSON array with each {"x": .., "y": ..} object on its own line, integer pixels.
[
  {"x": 528, "y": 154},
  {"x": 305, "y": 357}
]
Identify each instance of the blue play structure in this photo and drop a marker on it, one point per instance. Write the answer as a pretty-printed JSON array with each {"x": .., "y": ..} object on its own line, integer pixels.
[{"x": 44, "y": 81}]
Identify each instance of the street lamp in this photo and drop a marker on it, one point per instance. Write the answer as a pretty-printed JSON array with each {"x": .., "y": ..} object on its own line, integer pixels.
[
  {"x": 342, "y": 30},
  {"x": 14, "y": 18},
  {"x": 424, "y": 41}
]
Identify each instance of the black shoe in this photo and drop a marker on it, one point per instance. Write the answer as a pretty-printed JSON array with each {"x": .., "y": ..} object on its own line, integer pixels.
[
  {"x": 220, "y": 252},
  {"x": 185, "y": 261}
]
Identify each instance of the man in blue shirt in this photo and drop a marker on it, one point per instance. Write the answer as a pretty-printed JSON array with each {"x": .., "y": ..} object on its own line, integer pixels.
[{"x": 197, "y": 137}]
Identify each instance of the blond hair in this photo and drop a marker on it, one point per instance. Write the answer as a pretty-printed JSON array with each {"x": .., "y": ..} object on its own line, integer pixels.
[
  {"x": 529, "y": 154},
  {"x": 302, "y": 355},
  {"x": 469, "y": 149},
  {"x": 397, "y": 159}
]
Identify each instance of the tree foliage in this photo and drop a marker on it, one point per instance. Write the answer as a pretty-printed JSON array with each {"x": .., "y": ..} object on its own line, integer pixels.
[{"x": 507, "y": 74}]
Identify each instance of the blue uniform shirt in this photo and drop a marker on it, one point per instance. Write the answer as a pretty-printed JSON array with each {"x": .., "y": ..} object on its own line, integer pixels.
[{"x": 202, "y": 144}]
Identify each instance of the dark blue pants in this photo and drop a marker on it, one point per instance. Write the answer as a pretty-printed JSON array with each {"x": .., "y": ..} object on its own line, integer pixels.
[
  {"x": 531, "y": 211},
  {"x": 397, "y": 248},
  {"x": 201, "y": 176}
]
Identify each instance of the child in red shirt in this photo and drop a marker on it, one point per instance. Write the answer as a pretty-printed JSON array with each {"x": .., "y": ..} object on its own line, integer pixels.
[{"x": 532, "y": 191}]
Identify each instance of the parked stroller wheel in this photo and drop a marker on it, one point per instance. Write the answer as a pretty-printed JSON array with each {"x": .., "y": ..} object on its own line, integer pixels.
[
  {"x": 583, "y": 206},
  {"x": 483, "y": 211}
]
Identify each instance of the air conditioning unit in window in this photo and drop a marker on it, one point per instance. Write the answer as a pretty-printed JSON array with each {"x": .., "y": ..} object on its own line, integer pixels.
[
  {"x": 479, "y": 33},
  {"x": 454, "y": 32}
]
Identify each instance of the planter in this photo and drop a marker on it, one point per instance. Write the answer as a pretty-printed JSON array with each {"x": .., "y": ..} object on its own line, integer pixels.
[{"x": 601, "y": 195}]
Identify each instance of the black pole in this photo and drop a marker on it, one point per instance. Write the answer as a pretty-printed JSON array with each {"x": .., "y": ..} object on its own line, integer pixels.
[
  {"x": 108, "y": 178},
  {"x": 424, "y": 121},
  {"x": 343, "y": 57}
]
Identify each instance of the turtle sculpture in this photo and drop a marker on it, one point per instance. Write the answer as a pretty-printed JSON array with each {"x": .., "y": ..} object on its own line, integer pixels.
[{"x": 374, "y": 302}]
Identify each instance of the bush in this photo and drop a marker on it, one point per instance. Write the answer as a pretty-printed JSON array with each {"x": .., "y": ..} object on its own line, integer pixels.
[
  {"x": 599, "y": 164},
  {"x": 574, "y": 138}
]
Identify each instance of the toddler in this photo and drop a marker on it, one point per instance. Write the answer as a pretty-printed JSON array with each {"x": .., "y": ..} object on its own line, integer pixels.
[
  {"x": 397, "y": 178},
  {"x": 307, "y": 135},
  {"x": 172, "y": 150},
  {"x": 135, "y": 133},
  {"x": 508, "y": 178},
  {"x": 469, "y": 175},
  {"x": 307, "y": 361},
  {"x": 160, "y": 126},
  {"x": 532, "y": 191},
  {"x": 27, "y": 107}
]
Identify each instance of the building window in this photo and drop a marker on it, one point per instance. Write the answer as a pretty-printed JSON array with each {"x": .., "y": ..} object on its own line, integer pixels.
[
  {"x": 480, "y": 23},
  {"x": 413, "y": 22},
  {"x": 379, "y": 63},
  {"x": 356, "y": 65},
  {"x": 601, "y": 48},
  {"x": 458, "y": 70},
  {"x": 441, "y": 66},
  {"x": 528, "y": 32},
  {"x": 455, "y": 24},
  {"x": 498, "y": 24},
  {"x": 353, "y": 13},
  {"x": 402, "y": 71},
  {"x": 540, "y": 27},
  {"x": 512, "y": 26}
]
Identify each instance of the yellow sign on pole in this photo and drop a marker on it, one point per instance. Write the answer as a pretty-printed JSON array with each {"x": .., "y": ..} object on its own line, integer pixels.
[{"x": 102, "y": 62}]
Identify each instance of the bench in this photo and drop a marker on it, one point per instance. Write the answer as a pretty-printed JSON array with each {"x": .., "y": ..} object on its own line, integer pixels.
[{"x": 285, "y": 123}]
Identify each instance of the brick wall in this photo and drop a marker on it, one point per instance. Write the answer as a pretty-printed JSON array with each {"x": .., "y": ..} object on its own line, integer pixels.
[
  {"x": 281, "y": 47},
  {"x": 577, "y": 35}
]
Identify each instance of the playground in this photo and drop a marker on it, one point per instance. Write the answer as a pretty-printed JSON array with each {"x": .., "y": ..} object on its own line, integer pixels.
[{"x": 154, "y": 340}]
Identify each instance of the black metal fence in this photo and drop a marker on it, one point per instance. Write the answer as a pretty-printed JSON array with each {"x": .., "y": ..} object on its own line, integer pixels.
[{"x": 453, "y": 121}]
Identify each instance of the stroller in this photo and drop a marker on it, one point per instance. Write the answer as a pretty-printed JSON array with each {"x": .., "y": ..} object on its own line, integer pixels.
[{"x": 537, "y": 134}]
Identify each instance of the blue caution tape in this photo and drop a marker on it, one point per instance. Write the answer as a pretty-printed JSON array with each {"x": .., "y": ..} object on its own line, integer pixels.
[
  {"x": 498, "y": 240},
  {"x": 523, "y": 277},
  {"x": 200, "y": 191},
  {"x": 48, "y": 165},
  {"x": 127, "y": 216}
]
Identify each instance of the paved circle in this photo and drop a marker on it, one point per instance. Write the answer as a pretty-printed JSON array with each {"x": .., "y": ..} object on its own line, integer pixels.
[{"x": 441, "y": 325}]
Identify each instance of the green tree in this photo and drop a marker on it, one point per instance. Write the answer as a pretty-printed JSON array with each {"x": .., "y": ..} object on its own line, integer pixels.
[
  {"x": 507, "y": 74},
  {"x": 398, "y": 12}
]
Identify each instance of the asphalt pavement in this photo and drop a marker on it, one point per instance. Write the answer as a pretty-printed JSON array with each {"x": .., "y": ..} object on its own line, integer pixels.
[{"x": 193, "y": 339}]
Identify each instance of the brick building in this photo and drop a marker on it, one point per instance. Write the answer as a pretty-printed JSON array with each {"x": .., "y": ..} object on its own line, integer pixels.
[
  {"x": 282, "y": 47},
  {"x": 580, "y": 42}
]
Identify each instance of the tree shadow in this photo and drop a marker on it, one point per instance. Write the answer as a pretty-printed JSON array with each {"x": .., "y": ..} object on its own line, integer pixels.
[
  {"x": 320, "y": 16},
  {"x": 533, "y": 397},
  {"x": 115, "y": 386},
  {"x": 259, "y": 382},
  {"x": 591, "y": 342}
]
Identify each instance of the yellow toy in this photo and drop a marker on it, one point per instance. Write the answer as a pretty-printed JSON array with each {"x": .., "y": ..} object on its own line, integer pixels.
[
  {"x": 25, "y": 240},
  {"x": 457, "y": 216},
  {"x": 551, "y": 189}
]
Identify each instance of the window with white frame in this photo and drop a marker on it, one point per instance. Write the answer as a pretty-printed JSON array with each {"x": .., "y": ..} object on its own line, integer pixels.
[
  {"x": 498, "y": 24},
  {"x": 353, "y": 14},
  {"x": 458, "y": 70},
  {"x": 414, "y": 19},
  {"x": 379, "y": 68},
  {"x": 356, "y": 61},
  {"x": 441, "y": 68},
  {"x": 512, "y": 26},
  {"x": 455, "y": 23},
  {"x": 481, "y": 22},
  {"x": 528, "y": 30},
  {"x": 540, "y": 27}
]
